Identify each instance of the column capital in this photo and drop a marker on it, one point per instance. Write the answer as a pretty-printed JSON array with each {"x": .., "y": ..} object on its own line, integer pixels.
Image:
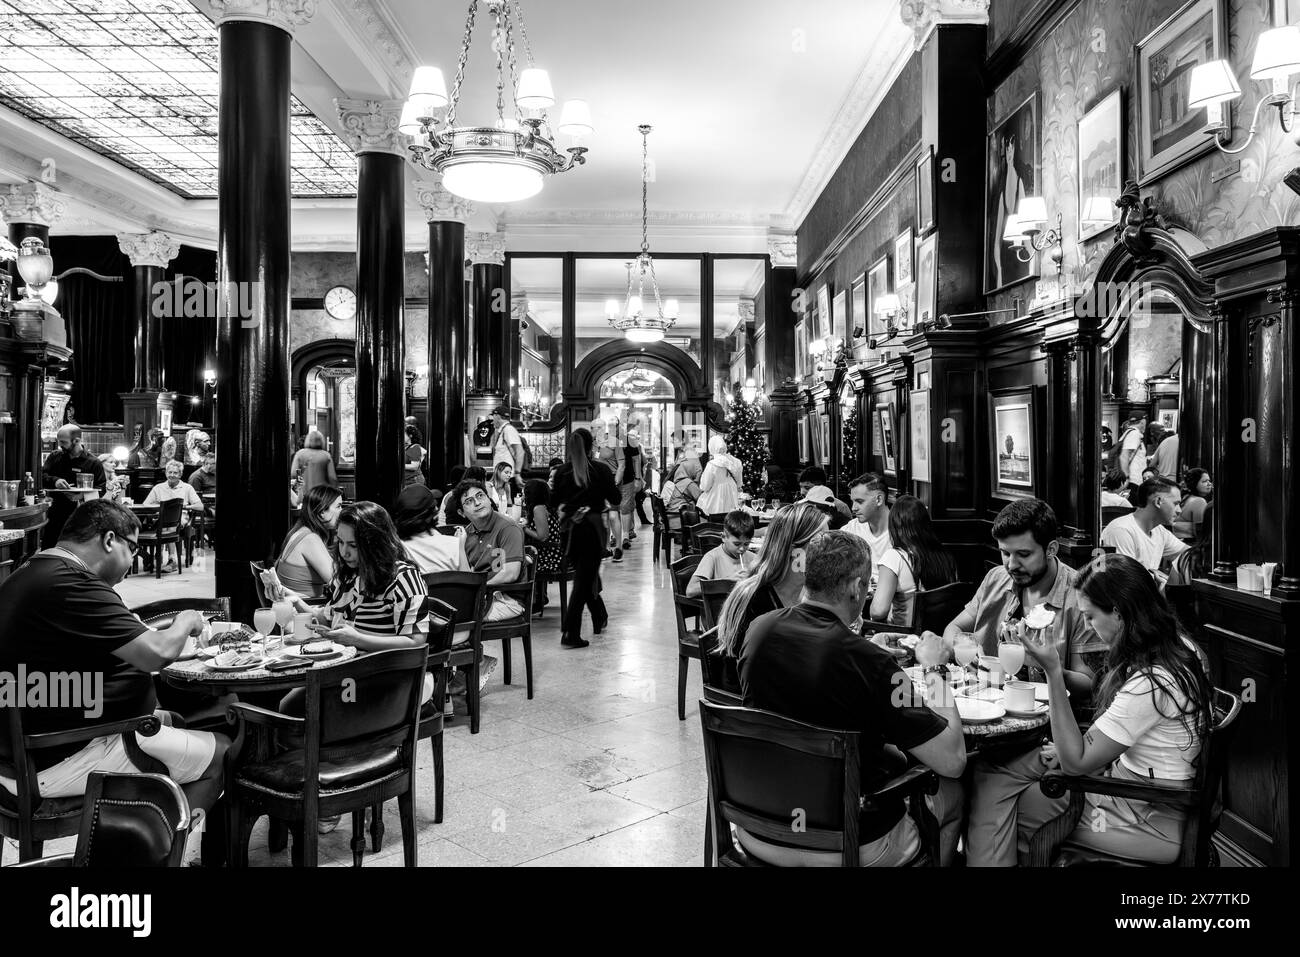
[
  {"x": 370, "y": 126},
  {"x": 487, "y": 248},
  {"x": 32, "y": 203},
  {"x": 782, "y": 247},
  {"x": 924, "y": 15},
  {"x": 149, "y": 249},
  {"x": 518, "y": 308},
  {"x": 288, "y": 15},
  {"x": 745, "y": 309},
  {"x": 440, "y": 205}
]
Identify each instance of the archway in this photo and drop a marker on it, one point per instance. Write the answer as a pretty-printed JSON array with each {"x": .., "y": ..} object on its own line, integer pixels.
[
  {"x": 639, "y": 399},
  {"x": 323, "y": 376}
]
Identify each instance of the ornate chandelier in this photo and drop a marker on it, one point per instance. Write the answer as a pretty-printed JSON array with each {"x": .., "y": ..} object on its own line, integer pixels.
[
  {"x": 630, "y": 319},
  {"x": 509, "y": 160}
]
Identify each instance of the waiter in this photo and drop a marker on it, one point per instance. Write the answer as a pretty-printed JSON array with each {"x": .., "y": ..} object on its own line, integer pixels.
[{"x": 60, "y": 471}]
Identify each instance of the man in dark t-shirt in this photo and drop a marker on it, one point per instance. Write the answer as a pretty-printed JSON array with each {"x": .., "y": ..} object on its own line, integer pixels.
[
  {"x": 61, "y": 620},
  {"x": 61, "y": 470},
  {"x": 804, "y": 662}
]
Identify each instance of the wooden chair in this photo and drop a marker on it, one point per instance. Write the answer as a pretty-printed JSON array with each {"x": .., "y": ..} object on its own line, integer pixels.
[
  {"x": 688, "y": 639},
  {"x": 760, "y": 765},
  {"x": 704, "y": 536},
  {"x": 721, "y": 672},
  {"x": 466, "y": 593},
  {"x": 448, "y": 529},
  {"x": 159, "y": 614},
  {"x": 663, "y": 536},
  {"x": 358, "y": 749},
  {"x": 713, "y": 595},
  {"x": 931, "y": 610},
  {"x": 128, "y": 820},
  {"x": 32, "y": 820},
  {"x": 1201, "y": 801},
  {"x": 158, "y": 530},
  {"x": 520, "y": 626},
  {"x": 1111, "y": 512},
  {"x": 257, "y": 568}
]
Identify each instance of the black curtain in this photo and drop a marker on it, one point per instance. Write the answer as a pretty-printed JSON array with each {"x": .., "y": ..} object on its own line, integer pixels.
[
  {"x": 189, "y": 344},
  {"x": 101, "y": 333}
]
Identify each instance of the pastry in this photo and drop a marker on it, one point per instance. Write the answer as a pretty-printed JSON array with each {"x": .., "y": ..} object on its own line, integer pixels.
[{"x": 1040, "y": 616}]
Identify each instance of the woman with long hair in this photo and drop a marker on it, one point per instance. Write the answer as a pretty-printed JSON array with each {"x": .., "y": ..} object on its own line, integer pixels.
[
  {"x": 777, "y": 580},
  {"x": 306, "y": 562},
  {"x": 503, "y": 486},
  {"x": 916, "y": 562},
  {"x": 1198, "y": 492},
  {"x": 1153, "y": 712},
  {"x": 724, "y": 477},
  {"x": 542, "y": 530},
  {"x": 583, "y": 490}
]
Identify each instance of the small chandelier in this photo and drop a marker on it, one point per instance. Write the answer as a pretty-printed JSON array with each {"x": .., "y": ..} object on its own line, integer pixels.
[
  {"x": 510, "y": 160},
  {"x": 630, "y": 320}
]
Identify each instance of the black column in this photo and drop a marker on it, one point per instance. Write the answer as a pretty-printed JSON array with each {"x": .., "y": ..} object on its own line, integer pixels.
[
  {"x": 148, "y": 332},
  {"x": 448, "y": 358},
  {"x": 381, "y": 382},
  {"x": 778, "y": 366},
  {"x": 489, "y": 328},
  {"x": 253, "y": 266}
]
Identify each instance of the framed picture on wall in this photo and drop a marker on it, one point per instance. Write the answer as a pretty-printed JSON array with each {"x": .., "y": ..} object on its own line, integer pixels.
[
  {"x": 877, "y": 286},
  {"x": 822, "y": 327},
  {"x": 1169, "y": 419},
  {"x": 803, "y": 440},
  {"x": 824, "y": 426},
  {"x": 695, "y": 439},
  {"x": 840, "y": 310},
  {"x": 903, "y": 258},
  {"x": 1012, "y": 174},
  {"x": 925, "y": 192},
  {"x": 926, "y": 280},
  {"x": 800, "y": 348},
  {"x": 918, "y": 427},
  {"x": 1011, "y": 441},
  {"x": 877, "y": 436},
  {"x": 861, "y": 318},
  {"x": 1170, "y": 133},
  {"x": 885, "y": 415},
  {"x": 1101, "y": 164}
]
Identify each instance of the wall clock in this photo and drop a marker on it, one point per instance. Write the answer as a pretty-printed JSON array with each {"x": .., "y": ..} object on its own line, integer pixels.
[{"x": 341, "y": 303}]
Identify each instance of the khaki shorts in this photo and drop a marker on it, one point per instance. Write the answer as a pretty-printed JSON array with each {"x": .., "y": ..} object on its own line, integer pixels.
[{"x": 187, "y": 755}]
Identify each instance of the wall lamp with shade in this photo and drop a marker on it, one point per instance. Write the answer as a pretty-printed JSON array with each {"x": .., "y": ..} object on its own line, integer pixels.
[
  {"x": 1025, "y": 231},
  {"x": 750, "y": 392},
  {"x": 893, "y": 309},
  {"x": 1277, "y": 59}
]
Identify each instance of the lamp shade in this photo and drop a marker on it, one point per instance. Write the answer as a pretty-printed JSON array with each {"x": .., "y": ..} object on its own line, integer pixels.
[
  {"x": 634, "y": 305},
  {"x": 1277, "y": 54},
  {"x": 50, "y": 292},
  {"x": 643, "y": 334},
  {"x": 409, "y": 123},
  {"x": 672, "y": 308},
  {"x": 817, "y": 347},
  {"x": 534, "y": 90},
  {"x": 35, "y": 264},
  {"x": 575, "y": 118},
  {"x": 1032, "y": 212},
  {"x": 1212, "y": 82},
  {"x": 1013, "y": 232},
  {"x": 428, "y": 88},
  {"x": 492, "y": 181},
  {"x": 1098, "y": 209},
  {"x": 611, "y": 308},
  {"x": 887, "y": 304}
]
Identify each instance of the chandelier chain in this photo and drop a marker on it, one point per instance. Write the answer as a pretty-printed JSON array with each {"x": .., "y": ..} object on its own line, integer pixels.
[
  {"x": 523, "y": 32},
  {"x": 514, "y": 73},
  {"x": 460, "y": 64},
  {"x": 498, "y": 44},
  {"x": 645, "y": 185}
]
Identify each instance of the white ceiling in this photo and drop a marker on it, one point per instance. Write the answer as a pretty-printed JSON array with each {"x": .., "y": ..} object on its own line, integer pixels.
[{"x": 754, "y": 104}]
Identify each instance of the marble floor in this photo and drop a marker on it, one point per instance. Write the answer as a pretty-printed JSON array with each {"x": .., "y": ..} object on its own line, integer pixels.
[{"x": 596, "y": 770}]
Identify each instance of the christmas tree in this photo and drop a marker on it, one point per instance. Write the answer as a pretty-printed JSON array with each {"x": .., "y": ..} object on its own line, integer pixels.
[{"x": 746, "y": 443}]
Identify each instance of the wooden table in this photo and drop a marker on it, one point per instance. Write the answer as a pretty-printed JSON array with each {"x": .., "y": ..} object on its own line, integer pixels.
[{"x": 195, "y": 675}]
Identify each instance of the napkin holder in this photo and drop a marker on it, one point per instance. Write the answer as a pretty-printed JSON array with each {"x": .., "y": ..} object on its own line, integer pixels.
[{"x": 1250, "y": 577}]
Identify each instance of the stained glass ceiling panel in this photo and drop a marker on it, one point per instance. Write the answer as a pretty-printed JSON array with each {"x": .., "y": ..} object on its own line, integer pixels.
[{"x": 136, "y": 80}]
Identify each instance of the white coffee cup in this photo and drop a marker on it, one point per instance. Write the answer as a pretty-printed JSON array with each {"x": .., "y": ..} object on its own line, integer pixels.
[
  {"x": 302, "y": 624},
  {"x": 1018, "y": 696}
]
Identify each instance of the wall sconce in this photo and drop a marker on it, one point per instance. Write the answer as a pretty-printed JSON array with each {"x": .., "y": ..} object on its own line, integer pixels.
[
  {"x": 209, "y": 376},
  {"x": 830, "y": 355},
  {"x": 1277, "y": 58},
  {"x": 1024, "y": 231},
  {"x": 750, "y": 392},
  {"x": 894, "y": 310}
]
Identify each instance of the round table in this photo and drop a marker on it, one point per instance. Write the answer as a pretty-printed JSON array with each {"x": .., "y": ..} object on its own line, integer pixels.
[{"x": 195, "y": 675}]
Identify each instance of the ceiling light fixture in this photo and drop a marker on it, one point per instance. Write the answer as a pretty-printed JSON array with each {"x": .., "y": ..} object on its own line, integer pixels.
[
  {"x": 510, "y": 160},
  {"x": 632, "y": 320}
]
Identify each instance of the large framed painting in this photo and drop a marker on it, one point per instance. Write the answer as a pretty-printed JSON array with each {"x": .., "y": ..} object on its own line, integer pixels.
[
  {"x": 925, "y": 193},
  {"x": 903, "y": 258},
  {"x": 800, "y": 349},
  {"x": 1101, "y": 164},
  {"x": 1011, "y": 418},
  {"x": 1170, "y": 133},
  {"x": 918, "y": 427},
  {"x": 858, "y": 296},
  {"x": 877, "y": 286},
  {"x": 822, "y": 327},
  {"x": 1012, "y": 174},
  {"x": 926, "y": 282},
  {"x": 885, "y": 414},
  {"x": 840, "y": 310}
]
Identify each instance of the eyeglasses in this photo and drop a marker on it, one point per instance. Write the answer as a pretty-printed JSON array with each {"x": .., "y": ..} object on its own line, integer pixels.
[
  {"x": 131, "y": 543},
  {"x": 474, "y": 500}
]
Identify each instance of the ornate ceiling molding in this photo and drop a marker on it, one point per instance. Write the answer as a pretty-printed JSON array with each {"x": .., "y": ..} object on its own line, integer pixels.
[
  {"x": 783, "y": 248},
  {"x": 370, "y": 126},
  {"x": 32, "y": 203},
  {"x": 922, "y": 16},
  {"x": 488, "y": 248},
  {"x": 440, "y": 205},
  {"x": 288, "y": 15},
  {"x": 745, "y": 310},
  {"x": 372, "y": 22},
  {"x": 149, "y": 249},
  {"x": 632, "y": 217}
]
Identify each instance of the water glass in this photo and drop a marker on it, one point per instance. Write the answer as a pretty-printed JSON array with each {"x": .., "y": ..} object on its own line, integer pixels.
[
  {"x": 264, "y": 620},
  {"x": 283, "y": 610}
]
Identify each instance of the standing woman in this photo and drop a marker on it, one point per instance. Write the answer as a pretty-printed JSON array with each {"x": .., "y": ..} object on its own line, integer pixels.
[
  {"x": 413, "y": 463},
  {"x": 312, "y": 464},
  {"x": 917, "y": 561},
  {"x": 1153, "y": 713},
  {"x": 306, "y": 562},
  {"x": 722, "y": 481},
  {"x": 542, "y": 531},
  {"x": 583, "y": 490}
]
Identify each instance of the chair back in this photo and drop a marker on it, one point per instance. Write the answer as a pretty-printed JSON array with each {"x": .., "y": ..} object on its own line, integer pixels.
[
  {"x": 448, "y": 530},
  {"x": 705, "y": 535},
  {"x": 762, "y": 765},
  {"x": 1111, "y": 512},
  {"x": 720, "y": 672},
  {"x": 713, "y": 594},
  {"x": 159, "y": 614},
  {"x": 1204, "y": 820},
  {"x": 132, "y": 820},
  {"x": 365, "y": 704},
  {"x": 933, "y": 609},
  {"x": 258, "y": 585},
  {"x": 464, "y": 592},
  {"x": 680, "y": 573},
  {"x": 169, "y": 518}
]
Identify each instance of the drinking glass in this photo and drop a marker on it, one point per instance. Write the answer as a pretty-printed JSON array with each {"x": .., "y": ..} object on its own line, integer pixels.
[
  {"x": 264, "y": 620},
  {"x": 283, "y": 614},
  {"x": 1012, "y": 655}
]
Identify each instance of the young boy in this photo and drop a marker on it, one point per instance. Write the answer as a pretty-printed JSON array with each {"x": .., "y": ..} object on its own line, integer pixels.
[{"x": 732, "y": 558}]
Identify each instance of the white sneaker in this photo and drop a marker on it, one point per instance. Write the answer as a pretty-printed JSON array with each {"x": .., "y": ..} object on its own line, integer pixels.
[
  {"x": 194, "y": 839},
  {"x": 485, "y": 670}
]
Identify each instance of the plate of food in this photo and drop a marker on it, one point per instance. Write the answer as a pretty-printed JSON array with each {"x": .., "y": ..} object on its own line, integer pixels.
[
  {"x": 319, "y": 649},
  {"x": 236, "y": 661},
  {"x": 978, "y": 711}
]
